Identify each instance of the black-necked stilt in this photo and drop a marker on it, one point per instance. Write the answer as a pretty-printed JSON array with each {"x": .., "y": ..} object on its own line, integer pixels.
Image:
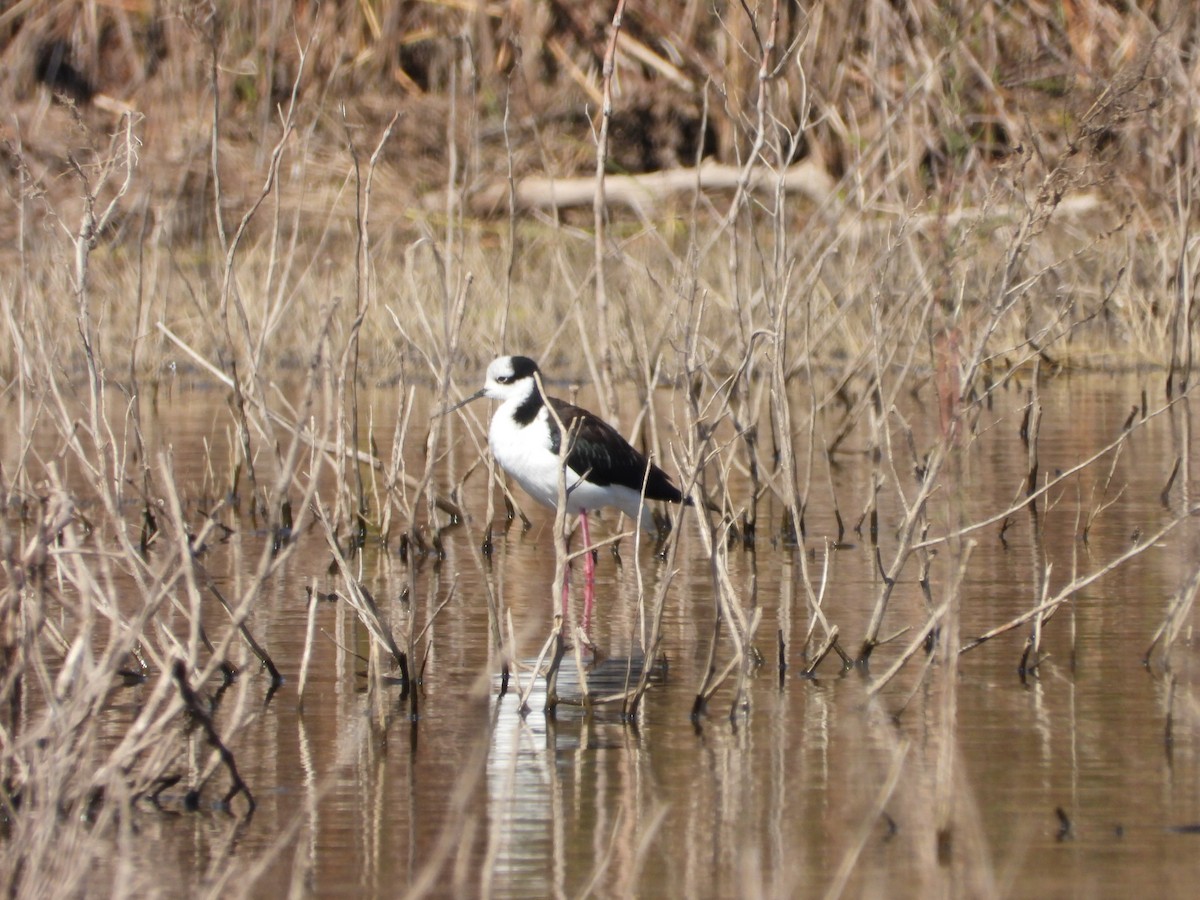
[{"x": 602, "y": 468}]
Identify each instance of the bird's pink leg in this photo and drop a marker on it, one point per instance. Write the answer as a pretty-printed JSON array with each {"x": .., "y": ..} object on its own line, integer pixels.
[{"x": 589, "y": 573}]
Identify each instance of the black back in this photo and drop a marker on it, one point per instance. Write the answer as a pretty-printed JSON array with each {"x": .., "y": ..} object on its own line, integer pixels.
[{"x": 606, "y": 457}]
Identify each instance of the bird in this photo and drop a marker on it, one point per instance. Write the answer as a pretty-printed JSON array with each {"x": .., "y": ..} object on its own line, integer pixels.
[{"x": 602, "y": 468}]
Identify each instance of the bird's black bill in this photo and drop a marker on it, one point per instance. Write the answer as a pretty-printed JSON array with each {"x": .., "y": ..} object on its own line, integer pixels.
[{"x": 462, "y": 403}]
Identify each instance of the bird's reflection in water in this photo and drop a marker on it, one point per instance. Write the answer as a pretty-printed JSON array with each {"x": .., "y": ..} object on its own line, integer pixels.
[{"x": 560, "y": 786}]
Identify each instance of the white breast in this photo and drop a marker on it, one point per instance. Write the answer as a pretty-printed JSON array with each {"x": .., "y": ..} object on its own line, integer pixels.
[{"x": 523, "y": 451}]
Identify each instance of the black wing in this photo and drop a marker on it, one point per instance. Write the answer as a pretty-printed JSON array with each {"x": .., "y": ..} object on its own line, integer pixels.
[{"x": 605, "y": 456}]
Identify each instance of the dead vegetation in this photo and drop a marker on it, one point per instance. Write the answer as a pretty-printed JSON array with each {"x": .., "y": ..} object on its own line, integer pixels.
[
  {"x": 251, "y": 194},
  {"x": 942, "y": 129}
]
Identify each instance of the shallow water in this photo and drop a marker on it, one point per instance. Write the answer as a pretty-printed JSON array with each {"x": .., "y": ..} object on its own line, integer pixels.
[{"x": 811, "y": 780}]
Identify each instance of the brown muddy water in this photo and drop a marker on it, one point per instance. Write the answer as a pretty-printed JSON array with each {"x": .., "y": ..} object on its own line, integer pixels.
[{"x": 1082, "y": 781}]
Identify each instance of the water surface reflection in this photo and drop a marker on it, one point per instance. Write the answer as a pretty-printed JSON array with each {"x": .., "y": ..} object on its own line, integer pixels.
[{"x": 818, "y": 784}]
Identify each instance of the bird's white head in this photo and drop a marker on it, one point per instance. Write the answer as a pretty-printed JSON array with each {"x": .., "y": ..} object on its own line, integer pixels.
[{"x": 510, "y": 377}]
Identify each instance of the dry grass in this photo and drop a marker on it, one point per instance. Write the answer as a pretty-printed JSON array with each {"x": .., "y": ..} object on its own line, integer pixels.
[
  {"x": 1010, "y": 201},
  {"x": 972, "y": 152}
]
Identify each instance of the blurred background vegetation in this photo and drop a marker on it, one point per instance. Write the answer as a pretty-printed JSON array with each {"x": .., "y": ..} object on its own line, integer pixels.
[{"x": 961, "y": 112}]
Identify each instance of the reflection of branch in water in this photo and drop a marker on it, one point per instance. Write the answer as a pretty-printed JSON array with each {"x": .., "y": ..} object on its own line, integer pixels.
[
  {"x": 1178, "y": 612},
  {"x": 192, "y": 701},
  {"x": 1078, "y": 584}
]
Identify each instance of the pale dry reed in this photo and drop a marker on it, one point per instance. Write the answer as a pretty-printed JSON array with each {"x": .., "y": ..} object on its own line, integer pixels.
[{"x": 790, "y": 332}]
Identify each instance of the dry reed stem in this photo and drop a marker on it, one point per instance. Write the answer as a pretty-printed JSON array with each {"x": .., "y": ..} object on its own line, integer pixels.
[
  {"x": 608, "y": 395},
  {"x": 310, "y": 631},
  {"x": 364, "y": 604},
  {"x": 482, "y": 549},
  {"x": 349, "y": 370},
  {"x": 742, "y": 627},
  {"x": 229, "y": 294},
  {"x": 567, "y": 434},
  {"x": 651, "y": 640}
]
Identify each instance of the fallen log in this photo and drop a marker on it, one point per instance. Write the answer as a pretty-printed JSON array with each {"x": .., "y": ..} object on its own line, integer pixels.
[{"x": 642, "y": 192}]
